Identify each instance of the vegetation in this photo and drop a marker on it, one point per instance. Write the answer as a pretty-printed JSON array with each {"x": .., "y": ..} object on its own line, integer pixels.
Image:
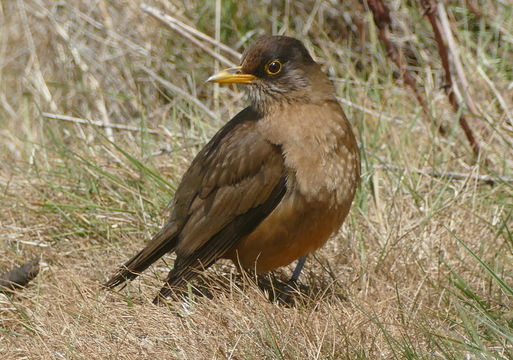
[{"x": 422, "y": 268}]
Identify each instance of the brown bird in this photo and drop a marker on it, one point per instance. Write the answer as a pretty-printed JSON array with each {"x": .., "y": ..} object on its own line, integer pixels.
[{"x": 273, "y": 184}]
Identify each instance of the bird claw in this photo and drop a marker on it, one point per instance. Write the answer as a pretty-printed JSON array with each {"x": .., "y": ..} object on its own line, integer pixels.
[{"x": 288, "y": 292}]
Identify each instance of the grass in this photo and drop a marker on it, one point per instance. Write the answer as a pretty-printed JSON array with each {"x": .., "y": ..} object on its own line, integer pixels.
[{"x": 422, "y": 268}]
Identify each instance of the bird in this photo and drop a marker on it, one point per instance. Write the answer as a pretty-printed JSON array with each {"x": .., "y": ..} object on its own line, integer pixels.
[{"x": 272, "y": 185}]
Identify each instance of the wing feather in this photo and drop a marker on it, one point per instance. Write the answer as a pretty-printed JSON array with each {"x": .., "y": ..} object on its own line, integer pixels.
[{"x": 232, "y": 185}]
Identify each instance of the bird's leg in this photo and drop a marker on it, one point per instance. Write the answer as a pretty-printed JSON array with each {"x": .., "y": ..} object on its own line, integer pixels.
[
  {"x": 297, "y": 271},
  {"x": 288, "y": 289}
]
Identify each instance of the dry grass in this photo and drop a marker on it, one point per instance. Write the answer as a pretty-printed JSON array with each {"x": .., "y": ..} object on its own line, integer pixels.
[{"x": 422, "y": 269}]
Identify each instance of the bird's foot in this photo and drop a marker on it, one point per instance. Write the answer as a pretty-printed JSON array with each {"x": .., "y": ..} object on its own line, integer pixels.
[
  {"x": 284, "y": 293},
  {"x": 287, "y": 292}
]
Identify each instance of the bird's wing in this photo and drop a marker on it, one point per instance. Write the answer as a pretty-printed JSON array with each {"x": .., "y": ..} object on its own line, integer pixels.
[{"x": 234, "y": 183}]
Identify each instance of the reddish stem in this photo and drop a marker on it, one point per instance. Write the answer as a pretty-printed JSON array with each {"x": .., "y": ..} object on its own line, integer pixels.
[
  {"x": 382, "y": 19},
  {"x": 431, "y": 14}
]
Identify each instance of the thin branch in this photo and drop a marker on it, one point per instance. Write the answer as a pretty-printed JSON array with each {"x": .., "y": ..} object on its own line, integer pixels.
[
  {"x": 474, "y": 9},
  {"x": 104, "y": 125},
  {"x": 150, "y": 10},
  {"x": 375, "y": 113},
  {"x": 181, "y": 92},
  {"x": 431, "y": 13},
  {"x": 381, "y": 15},
  {"x": 461, "y": 78},
  {"x": 173, "y": 24},
  {"x": 500, "y": 98},
  {"x": 487, "y": 179}
]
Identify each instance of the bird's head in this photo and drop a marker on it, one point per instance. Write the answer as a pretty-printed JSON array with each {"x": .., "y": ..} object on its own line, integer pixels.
[{"x": 277, "y": 69}]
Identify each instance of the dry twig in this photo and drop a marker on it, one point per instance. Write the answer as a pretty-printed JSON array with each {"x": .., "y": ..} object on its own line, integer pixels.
[
  {"x": 181, "y": 92},
  {"x": 461, "y": 78},
  {"x": 188, "y": 33},
  {"x": 104, "y": 125},
  {"x": 195, "y": 32},
  {"x": 382, "y": 19},
  {"x": 431, "y": 13},
  {"x": 450, "y": 175}
]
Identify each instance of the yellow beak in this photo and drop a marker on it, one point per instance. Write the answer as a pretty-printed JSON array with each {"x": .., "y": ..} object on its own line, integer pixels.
[{"x": 232, "y": 75}]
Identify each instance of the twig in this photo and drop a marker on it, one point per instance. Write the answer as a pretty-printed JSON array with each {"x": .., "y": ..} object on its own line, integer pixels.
[
  {"x": 111, "y": 33},
  {"x": 474, "y": 9},
  {"x": 172, "y": 23},
  {"x": 102, "y": 124},
  {"x": 150, "y": 10},
  {"x": 431, "y": 13},
  {"x": 461, "y": 78},
  {"x": 381, "y": 15},
  {"x": 33, "y": 63},
  {"x": 181, "y": 92},
  {"x": 487, "y": 179},
  {"x": 374, "y": 113},
  {"x": 497, "y": 94}
]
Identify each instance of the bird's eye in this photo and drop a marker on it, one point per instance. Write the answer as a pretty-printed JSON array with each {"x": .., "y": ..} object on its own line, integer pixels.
[{"x": 273, "y": 67}]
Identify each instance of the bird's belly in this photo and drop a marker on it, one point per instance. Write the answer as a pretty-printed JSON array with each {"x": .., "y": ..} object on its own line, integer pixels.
[{"x": 294, "y": 229}]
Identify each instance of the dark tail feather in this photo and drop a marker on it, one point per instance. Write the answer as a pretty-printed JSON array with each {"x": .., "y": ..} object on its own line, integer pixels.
[{"x": 164, "y": 242}]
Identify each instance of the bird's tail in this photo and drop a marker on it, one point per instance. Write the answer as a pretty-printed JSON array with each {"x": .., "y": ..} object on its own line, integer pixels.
[{"x": 164, "y": 242}]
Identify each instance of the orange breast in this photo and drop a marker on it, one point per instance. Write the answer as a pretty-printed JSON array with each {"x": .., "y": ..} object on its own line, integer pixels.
[
  {"x": 294, "y": 229},
  {"x": 322, "y": 162}
]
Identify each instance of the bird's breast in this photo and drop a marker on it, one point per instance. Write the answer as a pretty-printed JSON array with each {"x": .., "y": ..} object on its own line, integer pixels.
[
  {"x": 294, "y": 229},
  {"x": 322, "y": 164},
  {"x": 320, "y": 150}
]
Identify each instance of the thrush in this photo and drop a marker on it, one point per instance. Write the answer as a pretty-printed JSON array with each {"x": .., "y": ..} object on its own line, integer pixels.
[{"x": 272, "y": 185}]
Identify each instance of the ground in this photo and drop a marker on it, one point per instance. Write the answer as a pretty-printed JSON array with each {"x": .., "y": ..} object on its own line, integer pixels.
[{"x": 102, "y": 108}]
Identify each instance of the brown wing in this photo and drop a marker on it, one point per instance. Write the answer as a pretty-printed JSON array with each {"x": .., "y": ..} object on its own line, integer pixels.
[
  {"x": 232, "y": 185},
  {"x": 234, "y": 182}
]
